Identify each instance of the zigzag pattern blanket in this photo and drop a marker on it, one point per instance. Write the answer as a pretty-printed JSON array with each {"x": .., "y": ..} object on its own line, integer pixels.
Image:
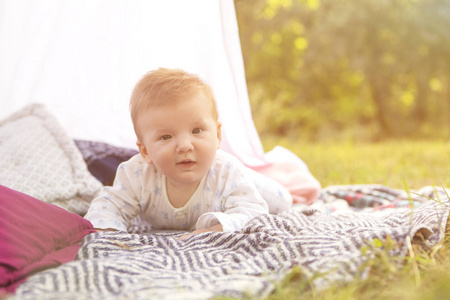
[{"x": 326, "y": 246}]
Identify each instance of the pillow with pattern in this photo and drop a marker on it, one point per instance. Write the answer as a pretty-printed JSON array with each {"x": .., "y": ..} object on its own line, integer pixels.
[{"x": 40, "y": 159}]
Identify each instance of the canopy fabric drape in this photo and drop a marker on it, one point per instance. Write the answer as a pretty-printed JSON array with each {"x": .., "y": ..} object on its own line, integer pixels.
[{"x": 82, "y": 58}]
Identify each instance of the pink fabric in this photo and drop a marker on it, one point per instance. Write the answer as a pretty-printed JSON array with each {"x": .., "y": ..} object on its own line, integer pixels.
[
  {"x": 290, "y": 171},
  {"x": 34, "y": 236}
]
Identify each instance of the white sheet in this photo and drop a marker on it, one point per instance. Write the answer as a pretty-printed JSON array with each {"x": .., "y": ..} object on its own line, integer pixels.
[{"x": 81, "y": 58}]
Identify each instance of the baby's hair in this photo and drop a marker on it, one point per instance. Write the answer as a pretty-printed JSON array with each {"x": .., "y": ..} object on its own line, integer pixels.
[{"x": 166, "y": 86}]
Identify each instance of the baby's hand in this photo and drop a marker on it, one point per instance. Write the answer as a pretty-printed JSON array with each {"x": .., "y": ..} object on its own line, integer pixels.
[{"x": 217, "y": 227}]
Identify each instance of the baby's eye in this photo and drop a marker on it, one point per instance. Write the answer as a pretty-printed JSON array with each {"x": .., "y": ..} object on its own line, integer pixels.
[
  {"x": 165, "y": 137},
  {"x": 197, "y": 130}
]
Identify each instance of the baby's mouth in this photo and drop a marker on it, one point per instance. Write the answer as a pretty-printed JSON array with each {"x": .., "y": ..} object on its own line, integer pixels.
[{"x": 186, "y": 163}]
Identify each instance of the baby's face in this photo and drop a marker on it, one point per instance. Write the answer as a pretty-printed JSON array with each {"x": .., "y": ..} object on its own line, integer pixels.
[{"x": 181, "y": 139}]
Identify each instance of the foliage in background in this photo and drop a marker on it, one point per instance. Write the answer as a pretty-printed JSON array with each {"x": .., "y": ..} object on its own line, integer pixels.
[{"x": 355, "y": 69}]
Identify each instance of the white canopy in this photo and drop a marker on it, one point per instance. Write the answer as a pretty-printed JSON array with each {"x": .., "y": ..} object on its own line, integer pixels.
[{"x": 81, "y": 58}]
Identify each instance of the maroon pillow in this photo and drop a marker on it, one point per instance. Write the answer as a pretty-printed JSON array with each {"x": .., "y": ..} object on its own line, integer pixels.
[{"x": 35, "y": 235}]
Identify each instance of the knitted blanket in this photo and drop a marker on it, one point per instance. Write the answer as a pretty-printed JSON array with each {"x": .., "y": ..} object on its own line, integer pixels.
[{"x": 328, "y": 244}]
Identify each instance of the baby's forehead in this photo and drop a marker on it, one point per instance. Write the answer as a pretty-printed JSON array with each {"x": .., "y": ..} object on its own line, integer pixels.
[
  {"x": 157, "y": 122},
  {"x": 175, "y": 100}
]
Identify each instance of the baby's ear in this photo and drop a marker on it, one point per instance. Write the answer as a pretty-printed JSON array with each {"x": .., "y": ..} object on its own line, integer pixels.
[
  {"x": 219, "y": 134},
  {"x": 144, "y": 152}
]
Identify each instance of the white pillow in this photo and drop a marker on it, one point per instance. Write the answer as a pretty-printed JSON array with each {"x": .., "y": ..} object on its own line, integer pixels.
[{"x": 38, "y": 158}]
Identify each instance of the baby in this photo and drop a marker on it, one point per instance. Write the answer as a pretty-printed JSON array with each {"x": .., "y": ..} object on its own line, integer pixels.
[{"x": 180, "y": 179}]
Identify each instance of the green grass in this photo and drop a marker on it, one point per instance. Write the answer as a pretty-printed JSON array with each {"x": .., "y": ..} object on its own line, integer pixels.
[
  {"x": 397, "y": 164},
  {"x": 392, "y": 163}
]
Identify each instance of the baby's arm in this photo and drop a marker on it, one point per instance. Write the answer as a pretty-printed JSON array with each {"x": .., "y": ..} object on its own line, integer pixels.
[
  {"x": 114, "y": 208},
  {"x": 237, "y": 211},
  {"x": 234, "y": 195},
  {"x": 240, "y": 202}
]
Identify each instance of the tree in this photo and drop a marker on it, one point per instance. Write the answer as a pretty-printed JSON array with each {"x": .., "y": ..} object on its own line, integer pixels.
[{"x": 333, "y": 67}]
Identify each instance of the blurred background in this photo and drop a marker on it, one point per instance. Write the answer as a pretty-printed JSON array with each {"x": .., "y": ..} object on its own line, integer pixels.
[{"x": 354, "y": 70}]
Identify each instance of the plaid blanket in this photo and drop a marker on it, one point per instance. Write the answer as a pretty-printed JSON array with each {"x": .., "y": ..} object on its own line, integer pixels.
[{"x": 329, "y": 241}]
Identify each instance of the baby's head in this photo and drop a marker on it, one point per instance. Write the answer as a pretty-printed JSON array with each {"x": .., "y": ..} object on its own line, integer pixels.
[
  {"x": 164, "y": 87},
  {"x": 176, "y": 122}
]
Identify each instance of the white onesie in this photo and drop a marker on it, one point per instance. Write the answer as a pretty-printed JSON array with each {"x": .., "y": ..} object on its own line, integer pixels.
[{"x": 230, "y": 194}]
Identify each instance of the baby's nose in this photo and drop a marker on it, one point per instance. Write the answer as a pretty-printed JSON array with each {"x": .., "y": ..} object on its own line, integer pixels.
[{"x": 184, "y": 145}]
